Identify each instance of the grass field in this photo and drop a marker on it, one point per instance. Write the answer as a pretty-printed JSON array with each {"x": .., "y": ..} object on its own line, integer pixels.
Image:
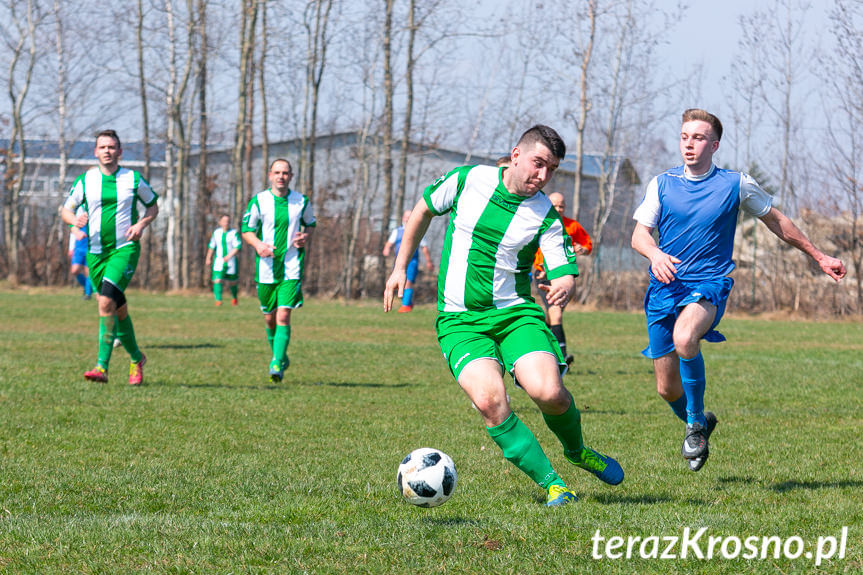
[{"x": 210, "y": 468}]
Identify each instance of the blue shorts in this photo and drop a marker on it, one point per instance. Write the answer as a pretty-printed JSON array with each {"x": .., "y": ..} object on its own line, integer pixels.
[
  {"x": 662, "y": 305},
  {"x": 79, "y": 253}
]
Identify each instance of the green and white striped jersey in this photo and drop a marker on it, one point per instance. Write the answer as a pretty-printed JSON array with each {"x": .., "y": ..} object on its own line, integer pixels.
[
  {"x": 491, "y": 240},
  {"x": 111, "y": 203},
  {"x": 222, "y": 242},
  {"x": 275, "y": 221}
]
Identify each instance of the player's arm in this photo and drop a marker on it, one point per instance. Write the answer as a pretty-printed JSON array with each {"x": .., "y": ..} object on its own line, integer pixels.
[
  {"x": 415, "y": 229},
  {"x": 209, "y": 259},
  {"x": 263, "y": 250},
  {"x": 135, "y": 231},
  {"x": 784, "y": 229},
  {"x": 69, "y": 218},
  {"x": 661, "y": 263}
]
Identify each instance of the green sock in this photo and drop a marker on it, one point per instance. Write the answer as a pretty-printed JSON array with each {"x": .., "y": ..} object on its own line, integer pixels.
[
  {"x": 217, "y": 291},
  {"x": 126, "y": 335},
  {"x": 234, "y": 291},
  {"x": 521, "y": 448},
  {"x": 107, "y": 328},
  {"x": 567, "y": 428},
  {"x": 280, "y": 342}
]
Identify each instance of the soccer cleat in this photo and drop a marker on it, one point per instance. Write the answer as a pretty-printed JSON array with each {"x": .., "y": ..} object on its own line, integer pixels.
[
  {"x": 136, "y": 371},
  {"x": 605, "y": 468},
  {"x": 98, "y": 374},
  {"x": 234, "y": 302},
  {"x": 218, "y": 303},
  {"x": 276, "y": 371},
  {"x": 694, "y": 442},
  {"x": 559, "y": 495},
  {"x": 568, "y": 360},
  {"x": 697, "y": 463},
  {"x": 406, "y": 309}
]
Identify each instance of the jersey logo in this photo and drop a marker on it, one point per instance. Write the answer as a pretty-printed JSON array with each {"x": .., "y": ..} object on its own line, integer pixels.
[{"x": 568, "y": 248}]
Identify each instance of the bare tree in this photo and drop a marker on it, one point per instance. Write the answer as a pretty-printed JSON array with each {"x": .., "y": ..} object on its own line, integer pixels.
[
  {"x": 843, "y": 71},
  {"x": 248, "y": 18},
  {"x": 387, "y": 134},
  {"x": 205, "y": 186},
  {"x": 23, "y": 53}
]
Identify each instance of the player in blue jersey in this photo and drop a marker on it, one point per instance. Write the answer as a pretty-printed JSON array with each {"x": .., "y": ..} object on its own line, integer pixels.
[
  {"x": 394, "y": 242},
  {"x": 694, "y": 208}
]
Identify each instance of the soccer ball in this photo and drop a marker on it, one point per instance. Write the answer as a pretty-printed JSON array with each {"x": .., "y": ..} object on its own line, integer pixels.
[{"x": 426, "y": 477}]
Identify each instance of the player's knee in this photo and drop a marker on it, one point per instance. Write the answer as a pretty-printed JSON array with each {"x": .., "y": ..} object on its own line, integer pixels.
[{"x": 113, "y": 293}]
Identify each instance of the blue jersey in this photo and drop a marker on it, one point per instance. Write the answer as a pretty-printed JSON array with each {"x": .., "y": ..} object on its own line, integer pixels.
[{"x": 697, "y": 218}]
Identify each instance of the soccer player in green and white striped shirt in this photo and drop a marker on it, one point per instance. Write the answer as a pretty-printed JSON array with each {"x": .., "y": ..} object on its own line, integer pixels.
[
  {"x": 488, "y": 321},
  {"x": 110, "y": 195},
  {"x": 222, "y": 252},
  {"x": 278, "y": 224}
]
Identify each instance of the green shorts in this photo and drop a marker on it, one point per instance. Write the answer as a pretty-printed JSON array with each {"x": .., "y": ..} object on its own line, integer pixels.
[
  {"x": 503, "y": 335},
  {"x": 116, "y": 266},
  {"x": 225, "y": 276},
  {"x": 286, "y": 293}
]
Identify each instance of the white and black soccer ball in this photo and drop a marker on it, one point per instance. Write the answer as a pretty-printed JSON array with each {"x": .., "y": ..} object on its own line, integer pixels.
[{"x": 426, "y": 477}]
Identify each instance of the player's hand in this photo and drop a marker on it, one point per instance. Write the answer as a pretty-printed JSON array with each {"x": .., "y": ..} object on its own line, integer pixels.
[
  {"x": 539, "y": 274},
  {"x": 134, "y": 232},
  {"x": 395, "y": 285},
  {"x": 833, "y": 267},
  {"x": 662, "y": 266},
  {"x": 300, "y": 239},
  {"x": 264, "y": 250},
  {"x": 555, "y": 295},
  {"x": 78, "y": 233},
  {"x": 82, "y": 220},
  {"x": 579, "y": 249}
]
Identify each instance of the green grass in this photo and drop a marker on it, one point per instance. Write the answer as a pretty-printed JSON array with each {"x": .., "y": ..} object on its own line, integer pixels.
[{"x": 209, "y": 468}]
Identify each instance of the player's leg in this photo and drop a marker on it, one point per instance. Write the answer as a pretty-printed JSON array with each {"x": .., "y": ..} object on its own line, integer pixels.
[
  {"x": 693, "y": 322},
  {"x": 660, "y": 308},
  {"x": 554, "y": 318},
  {"x": 408, "y": 294},
  {"x": 218, "y": 286},
  {"x": 290, "y": 297},
  {"x": 232, "y": 286},
  {"x": 537, "y": 364},
  {"x": 474, "y": 361},
  {"x": 119, "y": 272}
]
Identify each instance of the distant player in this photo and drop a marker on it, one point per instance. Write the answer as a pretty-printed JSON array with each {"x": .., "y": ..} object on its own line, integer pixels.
[
  {"x": 110, "y": 195},
  {"x": 278, "y": 224},
  {"x": 694, "y": 207},
  {"x": 488, "y": 320},
  {"x": 78, "y": 258},
  {"x": 222, "y": 253},
  {"x": 392, "y": 246},
  {"x": 582, "y": 245}
]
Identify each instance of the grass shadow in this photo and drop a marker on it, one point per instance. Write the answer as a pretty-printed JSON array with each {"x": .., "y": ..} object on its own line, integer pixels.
[
  {"x": 632, "y": 499},
  {"x": 792, "y": 485},
  {"x": 450, "y": 521},
  {"x": 184, "y": 346},
  {"x": 354, "y": 384}
]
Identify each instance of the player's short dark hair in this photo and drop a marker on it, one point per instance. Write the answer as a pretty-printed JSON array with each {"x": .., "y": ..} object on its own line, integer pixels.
[
  {"x": 693, "y": 114},
  {"x": 546, "y": 136},
  {"x": 273, "y": 163},
  {"x": 109, "y": 134},
  {"x": 503, "y": 161}
]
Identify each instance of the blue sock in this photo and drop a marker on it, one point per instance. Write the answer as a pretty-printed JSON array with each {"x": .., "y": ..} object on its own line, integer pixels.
[
  {"x": 408, "y": 296},
  {"x": 678, "y": 406},
  {"x": 81, "y": 279},
  {"x": 88, "y": 286},
  {"x": 693, "y": 379}
]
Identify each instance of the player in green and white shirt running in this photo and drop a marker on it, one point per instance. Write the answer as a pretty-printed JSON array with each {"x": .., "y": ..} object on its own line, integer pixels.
[
  {"x": 278, "y": 224},
  {"x": 222, "y": 252},
  {"x": 488, "y": 320},
  {"x": 110, "y": 196}
]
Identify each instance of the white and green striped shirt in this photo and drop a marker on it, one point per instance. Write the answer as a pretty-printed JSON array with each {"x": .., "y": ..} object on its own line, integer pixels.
[
  {"x": 275, "y": 221},
  {"x": 491, "y": 240},
  {"x": 111, "y": 203},
  {"x": 222, "y": 242}
]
